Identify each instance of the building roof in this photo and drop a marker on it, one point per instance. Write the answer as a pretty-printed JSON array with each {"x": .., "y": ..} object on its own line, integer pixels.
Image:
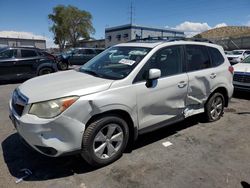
[
  {"x": 133, "y": 26},
  {"x": 12, "y": 38}
]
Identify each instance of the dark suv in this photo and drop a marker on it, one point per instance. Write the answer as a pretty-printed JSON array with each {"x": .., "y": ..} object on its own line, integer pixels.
[
  {"x": 23, "y": 63},
  {"x": 77, "y": 56}
]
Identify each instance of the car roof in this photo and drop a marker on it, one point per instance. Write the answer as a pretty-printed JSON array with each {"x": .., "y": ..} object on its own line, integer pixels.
[
  {"x": 167, "y": 43},
  {"x": 19, "y": 47}
]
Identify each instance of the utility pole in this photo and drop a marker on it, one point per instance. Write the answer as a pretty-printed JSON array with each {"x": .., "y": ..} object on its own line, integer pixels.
[{"x": 131, "y": 13}]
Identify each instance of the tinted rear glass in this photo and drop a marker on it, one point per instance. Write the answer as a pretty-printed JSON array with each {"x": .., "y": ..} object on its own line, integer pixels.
[
  {"x": 28, "y": 53},
  {"x": 216, "y": 56},
  {"x": 197, "y": 57}
]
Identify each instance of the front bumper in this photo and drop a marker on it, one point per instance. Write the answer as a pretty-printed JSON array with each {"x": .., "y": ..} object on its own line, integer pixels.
[{"x": 51, "y": 137}]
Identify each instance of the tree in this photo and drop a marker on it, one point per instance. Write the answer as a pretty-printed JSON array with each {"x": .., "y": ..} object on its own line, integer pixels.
[{"x": 70, "y": 24}]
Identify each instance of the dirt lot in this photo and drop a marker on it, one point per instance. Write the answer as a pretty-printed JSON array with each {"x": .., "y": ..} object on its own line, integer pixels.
[{"x": 202, "y": 155}]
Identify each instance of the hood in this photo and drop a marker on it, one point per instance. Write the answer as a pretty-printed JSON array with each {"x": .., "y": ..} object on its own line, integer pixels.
[
  {"x": 62, "y": 84},
  {"x": 242, "y": 67}
]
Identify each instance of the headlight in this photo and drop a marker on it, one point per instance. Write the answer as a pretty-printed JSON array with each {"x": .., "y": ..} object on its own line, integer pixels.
[{"x": 52, "y": 108}]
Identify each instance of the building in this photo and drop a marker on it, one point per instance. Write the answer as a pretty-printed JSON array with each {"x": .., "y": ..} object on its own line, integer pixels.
[
  {"x": 124, "y": 33},
  {"x": 92, "y": 43},
  {"x": 21, "y": 42}
]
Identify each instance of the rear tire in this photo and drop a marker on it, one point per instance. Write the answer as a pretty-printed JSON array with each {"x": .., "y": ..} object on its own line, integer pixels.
[
  {"x": 45, "y": 70},
  {"x": 214, "y": 107},
  {"x": 104, "y": 140}
]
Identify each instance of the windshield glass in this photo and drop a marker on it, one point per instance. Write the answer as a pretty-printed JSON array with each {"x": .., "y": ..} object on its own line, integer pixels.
[
  {"x": 246, "y": 60},
  {"x": 115, "y": 62},
  {"x": 237, "y": 52}
]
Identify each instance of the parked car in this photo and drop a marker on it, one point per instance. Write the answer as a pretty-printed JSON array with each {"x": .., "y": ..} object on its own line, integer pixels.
[
  {"x": 127, "y": 90},
  {"x": 237, "y": 56},
  {"x": 23, "y": 63},
  {"x": 77, "y": 56},
  {"x": 241, "y": 79},
  {"x": 228, "y": 52}
]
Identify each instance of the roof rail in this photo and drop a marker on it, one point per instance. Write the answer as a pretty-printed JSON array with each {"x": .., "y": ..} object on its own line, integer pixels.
[{"x": 170, "y": 39}]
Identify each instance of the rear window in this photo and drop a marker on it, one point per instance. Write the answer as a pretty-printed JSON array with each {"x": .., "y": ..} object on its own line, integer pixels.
[
  {"x": 197, "y": 57},
  {"x": 217, "y": 58},
  {"x": 28, "y": 53}
]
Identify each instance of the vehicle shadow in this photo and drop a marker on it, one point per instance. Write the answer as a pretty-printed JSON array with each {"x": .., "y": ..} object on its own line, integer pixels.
[
  {"x": 18, "y": 156},
  {"x": 241, "y": 95},
  {"x": 19, "y": 81},
  {"x": 245, "y": 184}
]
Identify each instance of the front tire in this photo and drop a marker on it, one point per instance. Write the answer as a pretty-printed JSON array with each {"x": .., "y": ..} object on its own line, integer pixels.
[
  {"x": 63, "y": 65},
  {"x": 214, "y": 108},
  {"x": 45, "y": 70},
  {"x": 104, "y": 140}
]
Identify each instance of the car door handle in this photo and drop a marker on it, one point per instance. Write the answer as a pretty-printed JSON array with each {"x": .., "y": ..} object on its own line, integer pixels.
[
  {"x": 182, "y": 84},
  {"x": 212, "y": 76}
]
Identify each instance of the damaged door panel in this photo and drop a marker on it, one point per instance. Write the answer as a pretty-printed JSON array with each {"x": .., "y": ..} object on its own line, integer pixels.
[{"x": 200, "y": 78}]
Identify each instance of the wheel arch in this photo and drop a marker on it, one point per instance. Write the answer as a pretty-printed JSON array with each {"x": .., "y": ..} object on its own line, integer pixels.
[
  {"x": 133, "y": 131},
  {"x": 224, "y": 92}
]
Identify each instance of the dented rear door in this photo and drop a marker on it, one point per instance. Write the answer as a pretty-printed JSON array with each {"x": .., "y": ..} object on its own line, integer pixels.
[{"x": 202, "y": 77}]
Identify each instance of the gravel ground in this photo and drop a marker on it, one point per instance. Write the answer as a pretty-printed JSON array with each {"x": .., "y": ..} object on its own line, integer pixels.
[{"x": 201, "y": 155}]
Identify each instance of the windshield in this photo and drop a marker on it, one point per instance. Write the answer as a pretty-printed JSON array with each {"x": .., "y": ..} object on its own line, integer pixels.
[
  {"x": 237, "y": 52},
  {"x": 246, "y": 60},
  {"x": 115, "y": 62}
]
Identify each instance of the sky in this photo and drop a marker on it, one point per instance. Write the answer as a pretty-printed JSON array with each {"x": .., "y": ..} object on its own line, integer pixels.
[{"x": 29, "y": 18}]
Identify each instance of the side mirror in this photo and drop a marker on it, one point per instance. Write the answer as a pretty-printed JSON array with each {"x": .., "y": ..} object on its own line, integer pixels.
[{"x": 153, "y": 74}]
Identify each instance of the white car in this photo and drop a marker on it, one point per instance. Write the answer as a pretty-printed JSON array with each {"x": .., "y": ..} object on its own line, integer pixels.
[
  {"x": 241, "y": 79},
  {"x": 127, "y": 90},
  {"x": 236, "y": 56}
]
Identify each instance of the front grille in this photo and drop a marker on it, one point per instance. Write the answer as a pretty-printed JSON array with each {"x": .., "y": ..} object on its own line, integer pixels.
[
  {"x": 230, "y": 58},
  {"x": 242, "y": 77},
  {"x": 18, "y": 102}
]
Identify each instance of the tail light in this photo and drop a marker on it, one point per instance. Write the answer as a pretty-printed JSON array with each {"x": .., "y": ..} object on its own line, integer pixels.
[{"x": 231, "y": 69}]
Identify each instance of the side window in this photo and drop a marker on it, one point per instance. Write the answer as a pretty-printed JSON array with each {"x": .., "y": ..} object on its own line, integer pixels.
[
  {"x": 89, "y": 51},
  {"x": 217, "y": 58},
  {"x": 197, "y": 57},
  {"x": 168, "y": 60},
  {"x": 28, "y": 53},
  {"x": 8, "y": 54}
]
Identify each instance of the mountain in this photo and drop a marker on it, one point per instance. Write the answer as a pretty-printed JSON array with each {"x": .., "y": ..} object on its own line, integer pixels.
[{"x": 226, "y": 32}]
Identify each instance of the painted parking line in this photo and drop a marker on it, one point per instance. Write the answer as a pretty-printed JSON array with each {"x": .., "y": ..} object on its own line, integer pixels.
[{"x": 167, "y": 144}]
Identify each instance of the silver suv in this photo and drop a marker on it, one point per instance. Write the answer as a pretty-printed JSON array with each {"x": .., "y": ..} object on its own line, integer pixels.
[{"x": 127, "y": 90}]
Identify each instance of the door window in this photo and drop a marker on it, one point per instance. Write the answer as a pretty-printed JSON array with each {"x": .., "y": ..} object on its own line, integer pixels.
[
  {"x": 28, "y": 53},
  {"x": 89, "y": 51},
  {"x": 8, "y": 54},
  {"x": 197, "y": 57},
  {"x": 168, "y": 60}
]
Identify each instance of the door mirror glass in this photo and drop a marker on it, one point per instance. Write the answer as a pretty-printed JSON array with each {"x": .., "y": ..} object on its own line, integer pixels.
[{"x": 154, "y": 74}]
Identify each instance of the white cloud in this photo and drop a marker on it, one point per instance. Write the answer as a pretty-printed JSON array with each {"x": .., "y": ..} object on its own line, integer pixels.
[
  {"x": 27, "y": 35},
  {"x": 192, "y": 28},
  {"x": 220, "y": 25}
]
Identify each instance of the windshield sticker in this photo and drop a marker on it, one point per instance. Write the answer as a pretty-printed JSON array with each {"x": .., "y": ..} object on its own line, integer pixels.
[{"x": 127, "y": 62}]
